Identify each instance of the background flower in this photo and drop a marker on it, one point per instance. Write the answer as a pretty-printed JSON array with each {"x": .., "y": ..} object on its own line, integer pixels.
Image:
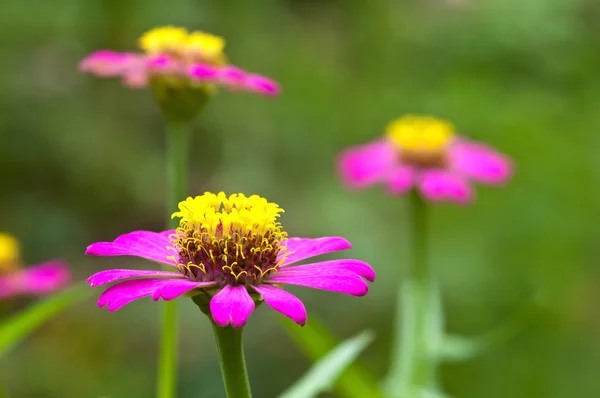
[
  {"x": 34, "y": 280},
  {"x": 424, "y": 153},
  {"x": 178, "y": 59}
]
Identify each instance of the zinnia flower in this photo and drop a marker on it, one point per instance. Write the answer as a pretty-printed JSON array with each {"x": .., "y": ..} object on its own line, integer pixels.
[
  {"x": 178, "y": 59},
  {"x": 425, "y": 153},
  {"x": 35, "y": 280},
  {"x": 233, "y": 251}
]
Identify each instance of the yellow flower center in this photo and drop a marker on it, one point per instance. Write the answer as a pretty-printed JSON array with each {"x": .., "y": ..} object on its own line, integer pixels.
[
  {"x": 420, "y": 133},
  {"x": 9, "y": 253},
  {"x": 194, "y": 47},
  {"x": 207, "y": 47},
  {"x": 230, "y": 240},
  {"x": 166, "y": 39}
]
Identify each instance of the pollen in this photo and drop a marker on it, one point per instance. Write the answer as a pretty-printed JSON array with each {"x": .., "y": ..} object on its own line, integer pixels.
[
  {"x": 165, "y": 40},
  {"x": 228, "y": 239},
  {"x": 9, "y": 253},
  {"x": 207, "y": 47},
  {"x": 420, "y": 133}
]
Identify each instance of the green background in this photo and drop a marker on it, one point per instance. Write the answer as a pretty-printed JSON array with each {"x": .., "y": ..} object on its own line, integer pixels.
[{"x": 81, "y": 160}]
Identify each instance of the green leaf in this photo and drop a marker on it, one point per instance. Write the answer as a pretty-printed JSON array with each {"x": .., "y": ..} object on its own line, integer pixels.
[
  {"x": 16, "y": 328},
  {"x": 315, "y": 341},
  {"x": 323, "y": 375},
  {"x": 458, "y": 348}
]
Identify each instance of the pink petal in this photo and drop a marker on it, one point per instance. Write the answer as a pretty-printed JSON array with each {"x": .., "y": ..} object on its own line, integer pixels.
[
  {"x": 302, "y": 248},
  {"x": 9, "y": 286},
  {"x": 262, "y": 85},
  {"x": 358, "y": 267},
  {"x": 232, "y": 305},
  {"x": 437, "y": 185},
  {"x": 44, "y": 278},
  {"x": 401, "y": 179},
  {"x": 333, "y": 280},
  {"x": 203, "y": 72},
  {"x": 111, "y": 275},
  {"x": 123, "y": 293},
  {"x": 106, "y": 63},
  {"x": 367, "y": 164},
  {"x": 145, "y": 244},
  {"x": 161, "y": 62},
  {"x": 480, "y": 162},
  {"x": 284, "y": 302},
  {"x": 136, "y": 78},
  {"x": 232, "y": 76},
  {"x": 177, "y": 287}
]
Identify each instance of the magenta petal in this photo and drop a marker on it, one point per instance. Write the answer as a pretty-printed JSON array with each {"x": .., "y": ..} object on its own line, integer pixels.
[
  {"x": 262, "y": 85},
  {"x": 358, "y": 267},
  {"x": 232, "y": 76},
  {"x": 438, "y": 185},
  {"x": 44, "y": 278},
  {"x": 108, "y": 63},
  {"x": 145, "y": 244},
  {"x": 302, "y": 248},
  {"x": 334, "y": 280},
  {"x": 401, "y": 179},
  {"x": 177, "y": 287},
  {"x": 284, "y": 302},
  {"x": 367, "y": 164},
  {"x": 9, "y": 286},
  {"x": 111, "y": 275},
  {"x": 123, "y": 293},
  {"x": 232, "y": 305},
  {"x": 203, "y": 72},
  {"x": 480, "y": 162}
]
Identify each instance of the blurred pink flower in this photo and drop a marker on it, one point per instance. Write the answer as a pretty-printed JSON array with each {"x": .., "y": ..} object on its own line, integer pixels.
[
  {"x": 232, "y": 251},
  {"x": 176, "y": 57},
  {"x": 424, "y": 153},
  {"x": 36, "y": 280}
]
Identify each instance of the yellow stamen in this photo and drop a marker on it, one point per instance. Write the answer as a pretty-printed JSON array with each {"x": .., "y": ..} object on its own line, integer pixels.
[
  {"x": 420, "y": 133},
  {"x": 9, "y": 253},
  {"x": 239, "y": 235},
  {"x": 166, "y": 39},
  {"x": 223, "y": 216},
  {"x": 207, "y": 47}
]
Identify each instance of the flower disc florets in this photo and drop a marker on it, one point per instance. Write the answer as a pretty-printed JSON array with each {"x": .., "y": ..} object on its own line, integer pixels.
[
  {"x": 422, "y": 140},
  {"x": 231, "y": 240},
  {"x": 9, "y": 254},
  {"x": 185, "y": 47}
]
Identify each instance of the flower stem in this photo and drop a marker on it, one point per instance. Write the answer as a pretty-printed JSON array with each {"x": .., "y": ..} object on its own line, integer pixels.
[
  {"x": 423, "y": 362},
  {"x": 231, "y": 358},
  {"x": 177, "y": 145},
  {"x": 3, "y": 392}
]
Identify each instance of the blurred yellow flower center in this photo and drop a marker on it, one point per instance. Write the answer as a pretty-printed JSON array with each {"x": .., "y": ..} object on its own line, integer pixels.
[
  {"x": 9, "y": 253},
  {"x": 420, "y": 133},
  {"x": 166, "y": 39},
  {"x": 208, "y": 47},
  {"x": 196, "y": 46},
  {"x": 230, "y": 240}
]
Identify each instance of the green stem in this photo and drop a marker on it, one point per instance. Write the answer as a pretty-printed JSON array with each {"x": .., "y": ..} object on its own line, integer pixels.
[
  {"x": 3, "y": 392},
  {"x": 177, "y": 146},
  {"x": 231, "y": 358},
  {"x": 423, "y": 361}
]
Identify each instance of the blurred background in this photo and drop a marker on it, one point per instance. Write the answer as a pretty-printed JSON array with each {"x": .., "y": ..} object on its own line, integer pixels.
[{"x": 81, "y": 160}]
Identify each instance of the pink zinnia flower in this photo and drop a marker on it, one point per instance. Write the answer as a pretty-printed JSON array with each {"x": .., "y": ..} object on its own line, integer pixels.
[
  {"x": 232, "y": 252},
  {"x": 35, "y": 280},
  {"x": 424, "y": 153},
  {"x": 179, "y": 59}
]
